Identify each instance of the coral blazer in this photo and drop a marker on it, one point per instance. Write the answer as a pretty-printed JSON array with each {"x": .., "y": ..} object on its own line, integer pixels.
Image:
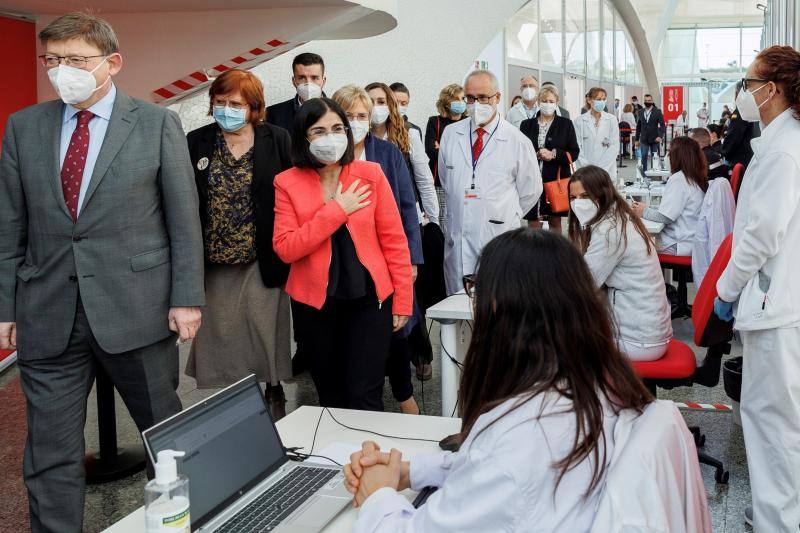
[{"x": 304, "y": 224}]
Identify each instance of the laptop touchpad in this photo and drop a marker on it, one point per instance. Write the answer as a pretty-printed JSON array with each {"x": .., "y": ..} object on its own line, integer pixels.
[{"x": 319, "y": 513}]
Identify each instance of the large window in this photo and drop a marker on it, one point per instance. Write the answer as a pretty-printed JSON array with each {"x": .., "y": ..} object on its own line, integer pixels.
[
  {"x": 575, "y": 35},
  {"x": 522, "y": 34},
  {"x": 593, "y": 57},
  {"x": 608, "y": 42},
  {"x": 551, "y": 27},
  {"x": 713, "y": 53}
]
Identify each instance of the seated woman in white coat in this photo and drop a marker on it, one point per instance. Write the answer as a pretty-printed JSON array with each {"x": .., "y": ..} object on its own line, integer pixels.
[
  {"x": 540, "y": 396},
  {"x": 598, "y": 134},
  {"x": 623, "y": 260},
  {"x": 682, "y": 200}
]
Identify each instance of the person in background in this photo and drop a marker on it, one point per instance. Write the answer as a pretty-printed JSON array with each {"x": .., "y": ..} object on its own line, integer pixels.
[
  {"x": 715, "y": 137},
  {"x": 598, "y": 134},
  {"x": 490, "y": 176},
  {"x": 716, "y": 167},
  {"x": 616, "y": 108},
  {"x": 623, "y": 260},
  {"x": 560, "y": 111},
  {"x": 403, "y": 97},
  {"x": 726, "y": 111},
  {"x": 702, "y": 116},
  {"x": 529, "y": 89},
  {"x": 627, "y": 120},
  {"x": 682, "y": 199},
  {"x": 556, "y": 146},
  {"x": 637, "y": 107},
  {"x": 345, "y": 303},
  {"x": 540, "y": 397},
  {"x": 357, "y": 106},
  {"x": 308, "y": 78},
  {"x": 650, "y": 130},
  {"x": 682, "y": 123},
  {"x": 101, "y": 258},
  {"x": 514, "y": 101},
  {"x": 736, "y": 148},
  {"x": 761, "y": 287},
  {"x": 235, "y": 160}
]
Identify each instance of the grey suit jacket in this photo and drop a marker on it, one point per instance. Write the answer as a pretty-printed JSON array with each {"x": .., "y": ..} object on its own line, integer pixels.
[{"x": 136, "y": 249}]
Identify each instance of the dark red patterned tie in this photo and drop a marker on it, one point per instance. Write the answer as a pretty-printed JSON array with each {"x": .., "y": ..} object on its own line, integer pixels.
[
  {"x": 477, "y": 146},
  {"x": 75, "y": 162}
]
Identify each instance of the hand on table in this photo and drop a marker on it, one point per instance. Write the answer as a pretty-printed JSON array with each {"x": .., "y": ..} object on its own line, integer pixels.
[
  {"x": 185, "y": 321},
  {"x": 8, "y": 335},
  {"x": 724, "y": 310},
  {"x": 370, "y": 470}
]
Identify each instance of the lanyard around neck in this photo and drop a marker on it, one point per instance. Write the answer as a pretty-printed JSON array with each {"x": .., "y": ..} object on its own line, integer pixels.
[{"x": 476, "y": 159}]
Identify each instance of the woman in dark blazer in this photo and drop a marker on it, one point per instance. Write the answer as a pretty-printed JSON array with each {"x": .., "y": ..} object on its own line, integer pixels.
[
  {"x": 246, "y": 320},
  {"x": 556, "y": 146}
]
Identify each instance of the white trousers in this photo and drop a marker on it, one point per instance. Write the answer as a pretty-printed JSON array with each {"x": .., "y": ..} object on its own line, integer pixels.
[
  {"x": 642, "y": 352},
  {"x": 771, "y": 425}
]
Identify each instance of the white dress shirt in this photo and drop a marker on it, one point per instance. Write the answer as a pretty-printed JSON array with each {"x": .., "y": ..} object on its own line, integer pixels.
[
  {"x": 97, "y": 132},
  {"x": 422, "y": 176}
]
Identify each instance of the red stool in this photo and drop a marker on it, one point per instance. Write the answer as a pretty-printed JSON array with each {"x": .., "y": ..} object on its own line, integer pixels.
[{"x": 736, "y": 178}]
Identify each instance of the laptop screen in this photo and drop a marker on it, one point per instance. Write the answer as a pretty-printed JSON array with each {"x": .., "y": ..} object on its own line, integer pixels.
[{"x": 230, "y": 443}]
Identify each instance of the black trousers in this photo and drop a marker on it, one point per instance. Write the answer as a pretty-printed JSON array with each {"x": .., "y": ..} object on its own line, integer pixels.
[
  {"x": 56, "y": 389},
  {"x": 398, "y": 368},
  {"x": 346, "y": 344}
]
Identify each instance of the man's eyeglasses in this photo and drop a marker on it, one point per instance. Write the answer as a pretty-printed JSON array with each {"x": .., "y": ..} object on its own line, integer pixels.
[
  {"x": 480, "y": 98},
  {"x": 746, "y": 81},
  {"x": 469, "y": 285},
  {"x": 337, "y": 129},
  {"x": 51, "y": 60}
]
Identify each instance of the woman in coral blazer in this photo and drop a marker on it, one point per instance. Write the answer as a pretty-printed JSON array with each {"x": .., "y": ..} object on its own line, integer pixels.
[{"x": 338, "y": 226}]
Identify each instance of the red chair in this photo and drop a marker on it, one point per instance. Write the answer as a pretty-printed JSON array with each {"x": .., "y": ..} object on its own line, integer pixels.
[
  {"x": 736, "y": 178},
  {"x": 682, "y": 267},
  {"x": 678, "y": 367}
]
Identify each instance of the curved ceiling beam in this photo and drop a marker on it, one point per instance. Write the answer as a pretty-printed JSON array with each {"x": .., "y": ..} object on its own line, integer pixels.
[{"x": 631, "y": 19}]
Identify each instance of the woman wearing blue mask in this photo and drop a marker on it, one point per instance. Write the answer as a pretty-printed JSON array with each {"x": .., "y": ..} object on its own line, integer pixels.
[
  {"x": 598, "y": 134},
  {"x": 451, "y": 107},
  {"x": 246, "y": 320}
]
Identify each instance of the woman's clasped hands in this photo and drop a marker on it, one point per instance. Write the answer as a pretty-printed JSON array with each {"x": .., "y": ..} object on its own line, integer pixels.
[{"x": 371, "y": 470}]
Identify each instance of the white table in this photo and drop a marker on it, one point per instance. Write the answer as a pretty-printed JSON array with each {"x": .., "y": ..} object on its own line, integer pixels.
[
  {"x": 654, "y": 173},
  {"x": 653, "y": 227},
  {"x": 297, "y": 429},
  {"x": 454, "y": 315}
]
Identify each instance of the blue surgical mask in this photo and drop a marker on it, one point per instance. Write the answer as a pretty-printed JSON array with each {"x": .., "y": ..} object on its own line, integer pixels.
[
  {"x": 229, "y": 118},
  {"x": 403, "y": 110},
  {"x": 599, "y": 105},
  {"x": 458, "y": 107}
]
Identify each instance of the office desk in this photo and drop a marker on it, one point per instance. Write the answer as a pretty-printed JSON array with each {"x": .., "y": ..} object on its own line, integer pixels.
[
  {"x": 297, "y": 429},
  {"x": 654, "y": 173},
  {"x": 454, "y": 315},
  {"x": 653, "y": 227}
]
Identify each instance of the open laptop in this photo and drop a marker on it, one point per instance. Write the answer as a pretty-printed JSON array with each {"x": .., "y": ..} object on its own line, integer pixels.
[{"x": 240, "y": 478}]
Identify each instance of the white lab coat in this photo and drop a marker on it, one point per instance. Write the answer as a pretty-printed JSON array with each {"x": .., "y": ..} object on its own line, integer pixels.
[
  {"x": 501, "y": 481},
  {"x": 715, "y": 223},
  {"x": 599, "y": 145},
  {"x": 519, "y": 112},
  {"x": 702, "y": 117},
  {"x": 681, "y": 203},
  {"x": 654, "y": 484},
  {"x": 508, "y": 184},
  {"x": 762, "y": 276}
]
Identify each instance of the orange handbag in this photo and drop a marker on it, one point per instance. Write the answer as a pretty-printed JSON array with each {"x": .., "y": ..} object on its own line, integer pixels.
[{"x": 557, "y": 192}]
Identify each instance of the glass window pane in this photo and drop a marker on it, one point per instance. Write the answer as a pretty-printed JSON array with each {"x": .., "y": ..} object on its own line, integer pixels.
[
  {"x": 718, "y": 50},
  {"x": 751, "y": 44},
  {"x": 619, "y": 45},
  {"x": 522, "y": 33},
  {"x": 608, "y": 43},
  {"x": 550, "y": 48},
  {"x": 677, "y": 54},
  {"x": 630, "y": 62},
  {"x": 574, "y": 30},
  {"x": 593, "y": 58}
]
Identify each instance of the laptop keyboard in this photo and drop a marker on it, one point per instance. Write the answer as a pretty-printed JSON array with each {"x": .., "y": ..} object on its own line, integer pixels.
[{"x": 279, "y": 501}]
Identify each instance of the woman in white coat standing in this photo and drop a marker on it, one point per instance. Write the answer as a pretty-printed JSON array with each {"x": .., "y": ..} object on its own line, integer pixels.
[
  {"x": 598, "y": 134},
  {"x": 762, "y": 284}
]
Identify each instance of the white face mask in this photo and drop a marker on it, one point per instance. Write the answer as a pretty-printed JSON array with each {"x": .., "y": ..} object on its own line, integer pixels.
[
  {"x": 330, "y": 148},
  {"x": 748, "y": 108},
  {"x": 403, "y": 110},
  {"x": 584, "y": 209},
  {"x": 548, "y": 109},
  {"x": 74, "y": 85},
  {"x": 481, "y": 113},
  {"x": 528, "y": 94},
  {"x": 307, "y": 91},
  {"x": 379, "y": 114},
  {"x": 359, "y": 129}
]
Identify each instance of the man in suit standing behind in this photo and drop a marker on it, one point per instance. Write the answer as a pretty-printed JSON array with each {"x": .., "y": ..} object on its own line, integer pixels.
[
  {"x": 650, "y": 129},
  {"x": 308, "y": 78},
  {"x": 101, "y": 257}
]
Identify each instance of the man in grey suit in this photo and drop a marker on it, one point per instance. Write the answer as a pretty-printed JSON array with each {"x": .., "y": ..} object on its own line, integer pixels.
[{"x": 101, "y": 257}]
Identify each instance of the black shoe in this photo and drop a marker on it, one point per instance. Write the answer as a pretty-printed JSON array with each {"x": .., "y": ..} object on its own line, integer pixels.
[
  {"x": 276, "y": 400},
  {"x": 748, "y": 516}
]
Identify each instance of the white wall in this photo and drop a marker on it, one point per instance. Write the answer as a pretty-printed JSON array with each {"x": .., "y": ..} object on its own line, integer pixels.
[{"x": 434, "y": 44}]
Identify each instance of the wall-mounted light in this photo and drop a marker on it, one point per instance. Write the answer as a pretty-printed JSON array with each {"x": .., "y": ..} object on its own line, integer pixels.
[{"x": 762, "y": 7}]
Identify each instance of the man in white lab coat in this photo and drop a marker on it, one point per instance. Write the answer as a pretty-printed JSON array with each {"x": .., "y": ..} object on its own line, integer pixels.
[
  {"x": 761, "y": 278},
  {"x": 702, "y": 116},
  {"x": 490, "y": 177}
]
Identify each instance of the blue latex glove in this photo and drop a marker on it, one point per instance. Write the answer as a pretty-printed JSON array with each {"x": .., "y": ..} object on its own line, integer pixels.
[{"x": 724, "y": 310}]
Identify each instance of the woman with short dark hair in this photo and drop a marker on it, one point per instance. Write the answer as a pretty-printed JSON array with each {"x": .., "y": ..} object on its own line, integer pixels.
[
  {"x": 683, "y": 196},
  {"x": 246, "y": 319},
  {"x": 338, "y": 226}
]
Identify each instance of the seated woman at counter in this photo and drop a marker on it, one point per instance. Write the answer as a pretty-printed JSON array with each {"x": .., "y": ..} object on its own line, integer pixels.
[
  {"x": 539, "y": 399},
  {"x": 680, "y": 205},
  {"x": 622, "y": 258}
]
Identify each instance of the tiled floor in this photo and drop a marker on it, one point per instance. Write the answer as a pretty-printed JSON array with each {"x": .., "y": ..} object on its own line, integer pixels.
[{"x": 107, "y": 503}]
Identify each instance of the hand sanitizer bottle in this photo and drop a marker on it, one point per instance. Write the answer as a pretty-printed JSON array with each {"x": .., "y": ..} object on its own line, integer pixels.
[{"x": 166, "y": 498}]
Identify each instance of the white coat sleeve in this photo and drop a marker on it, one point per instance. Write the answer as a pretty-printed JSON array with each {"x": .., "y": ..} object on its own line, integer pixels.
[
  {"x": 423, "y": 177},
  {"x": 605, "y": 250},
  {"x": 582, "y": 160},
  {"x": 528, "y": 177},
  {"x": 774, "y": 200},
  {"x": 675, "y": 197},
  {"x": 444, "y": 173},
  {"x": 481, "y": 494},
  {"x": 614, "y": 139},
  {"x": 515, "y": 117}
]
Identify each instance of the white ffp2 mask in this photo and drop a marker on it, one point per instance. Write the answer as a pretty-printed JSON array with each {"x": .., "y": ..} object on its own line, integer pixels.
[
  {"x": 330, "y": 148},
  {"x": 584, "y": 209},
  {"x": 359, "y": 129},
  {"x": 379, "y": 114},
  {"x": 74, "y": 85},
  {"x": 307, "y": 91},
  {"x": 748, "y": 108},
  {"x": 481, "y": 113}
]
